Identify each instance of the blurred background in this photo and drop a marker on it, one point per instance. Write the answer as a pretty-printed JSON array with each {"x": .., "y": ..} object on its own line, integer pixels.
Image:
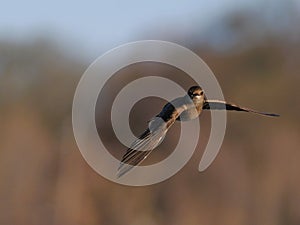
[{"x": 253, "y": 47}]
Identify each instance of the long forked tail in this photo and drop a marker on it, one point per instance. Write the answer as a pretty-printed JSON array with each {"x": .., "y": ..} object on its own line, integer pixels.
[{"x": 221, "y": 105}]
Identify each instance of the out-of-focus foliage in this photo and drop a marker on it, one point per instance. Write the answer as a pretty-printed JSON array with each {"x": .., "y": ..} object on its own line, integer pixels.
[{"x": 254, "y": 180}]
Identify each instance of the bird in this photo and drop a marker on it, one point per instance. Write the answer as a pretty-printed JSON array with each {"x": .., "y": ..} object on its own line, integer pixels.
[{"x": 185, "y": 108}]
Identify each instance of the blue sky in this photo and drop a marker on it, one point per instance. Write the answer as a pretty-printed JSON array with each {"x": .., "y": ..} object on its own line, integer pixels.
[{"x": 97, "y": 26}]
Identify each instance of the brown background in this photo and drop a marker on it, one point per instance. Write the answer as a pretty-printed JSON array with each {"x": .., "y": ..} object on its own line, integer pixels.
[{"x": 254, "y": 180}]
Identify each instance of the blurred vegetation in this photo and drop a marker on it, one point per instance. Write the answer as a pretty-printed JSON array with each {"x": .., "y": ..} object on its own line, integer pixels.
[{"x": 254, "y": 180}]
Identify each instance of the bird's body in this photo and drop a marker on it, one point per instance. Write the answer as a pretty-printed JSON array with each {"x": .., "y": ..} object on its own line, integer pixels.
[{"x": 184, "y": 108}]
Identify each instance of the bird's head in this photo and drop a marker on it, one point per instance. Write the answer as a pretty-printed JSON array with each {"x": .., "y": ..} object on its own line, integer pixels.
[{"x": 196, "y": 93}]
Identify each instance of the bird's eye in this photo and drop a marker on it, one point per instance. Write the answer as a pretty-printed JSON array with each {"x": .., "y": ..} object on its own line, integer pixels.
[{"x": 201, "y": 93}]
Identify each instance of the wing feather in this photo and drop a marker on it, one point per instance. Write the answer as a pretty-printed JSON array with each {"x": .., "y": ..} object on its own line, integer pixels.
[
  {"x": 143, "y": 146},
  {"x": 152, "y": 137},
  {"x": 221, "y": 105}
]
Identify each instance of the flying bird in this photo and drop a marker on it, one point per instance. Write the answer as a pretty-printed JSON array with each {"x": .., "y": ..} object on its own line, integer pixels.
[{"x": 187, "y": 107}]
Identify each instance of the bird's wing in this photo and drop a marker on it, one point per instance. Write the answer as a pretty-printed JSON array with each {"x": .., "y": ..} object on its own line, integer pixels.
[
  {"x": 221, "y": 105},
  {"x": 150, "y": 139},
  {"x": 143, "y": 146}
]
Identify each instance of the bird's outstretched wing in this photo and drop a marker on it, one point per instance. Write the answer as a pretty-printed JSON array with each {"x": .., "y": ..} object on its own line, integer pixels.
[
  {"x": 152, "y": 137},
  {"x": 143, "y": 146},
  {"x": 221, "y": 105}
]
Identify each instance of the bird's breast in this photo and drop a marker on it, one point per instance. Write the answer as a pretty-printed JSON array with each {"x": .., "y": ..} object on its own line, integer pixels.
[{"x": 190, "y": 113}]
